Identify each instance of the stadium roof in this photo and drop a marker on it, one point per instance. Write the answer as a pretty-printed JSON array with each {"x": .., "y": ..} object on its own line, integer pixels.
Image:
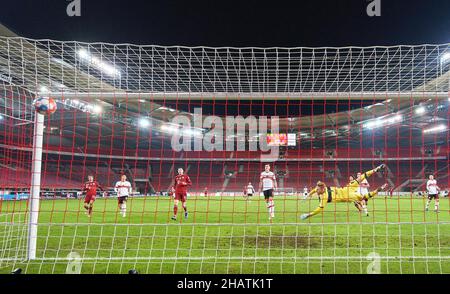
[{"x": 120, "y": 77}]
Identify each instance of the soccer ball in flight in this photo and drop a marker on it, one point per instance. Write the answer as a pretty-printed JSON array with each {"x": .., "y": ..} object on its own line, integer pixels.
[{"x": 45, "y": 105}]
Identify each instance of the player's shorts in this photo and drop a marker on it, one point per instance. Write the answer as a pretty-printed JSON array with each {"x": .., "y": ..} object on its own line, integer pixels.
[
  {"x": 89, "y": 198},
  {"x": 268, "y": 193},
  {"x": 181, "y": 196},
  {"x": 433, "y": 196},
  {"x": 249, "y": 194},
  {"x": 122, "y": 199}
]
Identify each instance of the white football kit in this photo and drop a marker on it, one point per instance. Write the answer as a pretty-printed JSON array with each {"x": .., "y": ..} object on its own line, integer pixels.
[
  {"x": 268, "y": 179},
  {"x": 123, "y": 188},
  {"x": 432, "y": 187}
]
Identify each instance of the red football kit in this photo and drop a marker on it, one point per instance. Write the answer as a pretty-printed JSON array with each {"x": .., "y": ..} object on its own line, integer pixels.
[
  {"x": 181, "y": 184},
  {"x": 91, "y": 190}
]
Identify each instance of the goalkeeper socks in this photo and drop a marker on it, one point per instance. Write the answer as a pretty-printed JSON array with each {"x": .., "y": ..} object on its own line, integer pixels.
[{"x": 175, "y": 210}]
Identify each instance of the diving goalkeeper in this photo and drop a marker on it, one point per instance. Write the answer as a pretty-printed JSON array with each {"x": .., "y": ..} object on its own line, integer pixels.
[{"x": 349, "y": 193}]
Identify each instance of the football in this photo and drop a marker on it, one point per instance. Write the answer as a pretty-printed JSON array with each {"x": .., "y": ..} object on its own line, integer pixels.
[{"x": 45, "y": 105}]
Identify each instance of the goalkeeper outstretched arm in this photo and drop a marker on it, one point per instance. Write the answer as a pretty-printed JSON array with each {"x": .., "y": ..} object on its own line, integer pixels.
[
  {"x": 320, "y": 208},
  {"x": 369, "y": 173},
  {"x": 366, "y": 175},
  {"x": 320, "y": 191}
]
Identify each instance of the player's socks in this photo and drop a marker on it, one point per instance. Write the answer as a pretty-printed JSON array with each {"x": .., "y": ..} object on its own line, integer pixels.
[
  {"x": 428, "y": 205},
  {"x": 436, "y": 207},
  {"x": 124, "y": 210},
  {"x": 271, "y": 209},
  {"x": 175, "y": 211},
  {"x": 268, "y": 207},
  {"x": 185, "y": 211}
]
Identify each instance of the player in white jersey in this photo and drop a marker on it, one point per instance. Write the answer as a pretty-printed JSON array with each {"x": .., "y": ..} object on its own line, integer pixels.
[
  {"x": 433, "y": 192},
  {"x": 123, "y": 190},
  {"x": 249, "y": 191},
  {"x": 363, "y": 191},
  {"x": 267, "y": 183}
]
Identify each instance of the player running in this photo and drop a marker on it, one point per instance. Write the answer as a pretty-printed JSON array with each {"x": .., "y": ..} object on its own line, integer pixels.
[
  {"x": 433, "y": 193},
  {"x": 349, "y": 193},
  {"x": 268, "y": 183},
  {"x": 123, "y": 190},
  {"x": 249, "y": 191},
  {"x": 182, "y": 181},
  {"x": 90, "y": 188}
]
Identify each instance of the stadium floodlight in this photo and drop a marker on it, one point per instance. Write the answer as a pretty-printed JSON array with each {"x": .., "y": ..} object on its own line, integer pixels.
[
  {"x": 43, "y": 90},
  {"x": 97, "y": 63},
  {"x": 97, "y": 109},
  {"x": 396, "y": 118},
  {"x": 445, "y": 58},
  {"x": 381, "y": 122},
  {"x": 167, "y": 108},
  {"x": 169, "y": 128},
  {"x": 144, "y": 122},
  {"x": 435, "y": 129},
  {"x": 84, "y": 54},
  {"x": 420, "y": 110},
  {"x": 373, "y": 124},
  {"x": 89, "y": 108}
]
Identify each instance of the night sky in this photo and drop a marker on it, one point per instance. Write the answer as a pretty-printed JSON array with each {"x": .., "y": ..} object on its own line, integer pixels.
[{"x": 233, "y": 23}]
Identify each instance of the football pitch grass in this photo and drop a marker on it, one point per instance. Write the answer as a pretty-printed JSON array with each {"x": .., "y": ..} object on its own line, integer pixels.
[{"x": 229, "y": 235}]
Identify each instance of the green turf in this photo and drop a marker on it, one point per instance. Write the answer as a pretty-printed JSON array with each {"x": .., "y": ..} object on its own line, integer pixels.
[{"x": 231, "y": 235}]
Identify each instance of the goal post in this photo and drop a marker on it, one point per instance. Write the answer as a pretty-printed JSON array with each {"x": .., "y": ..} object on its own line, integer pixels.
[{"x": 35, "y": 185}]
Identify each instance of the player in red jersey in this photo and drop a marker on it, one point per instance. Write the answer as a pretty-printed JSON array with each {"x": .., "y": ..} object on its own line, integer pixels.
[
  {"x": 182, "y": 181},
  {"x": 90, "y": 188},
  {"x": 205, "y": 193}
]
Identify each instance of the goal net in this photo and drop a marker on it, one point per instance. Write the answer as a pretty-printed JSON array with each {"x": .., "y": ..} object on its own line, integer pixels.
[{"x": 278, "y": 120}]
